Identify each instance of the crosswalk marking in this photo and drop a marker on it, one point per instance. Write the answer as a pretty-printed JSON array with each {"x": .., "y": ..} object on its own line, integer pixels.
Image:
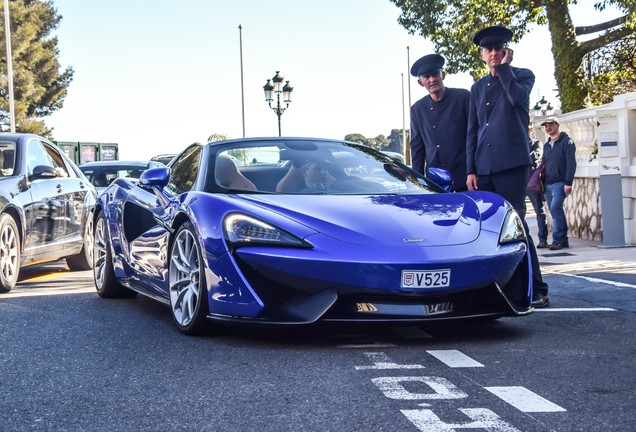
[
  {"x": 454, "y": 358},
  {"x": 524, "y": 399}
]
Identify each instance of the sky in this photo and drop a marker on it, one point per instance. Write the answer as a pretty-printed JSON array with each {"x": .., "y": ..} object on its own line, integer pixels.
[{"x": 155, "y": 75}]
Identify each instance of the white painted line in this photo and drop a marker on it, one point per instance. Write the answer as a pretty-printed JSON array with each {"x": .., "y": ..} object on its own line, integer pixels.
[
  {"x": 381, "y": 361},
  {"x": 47, "y": 292},
  {"x": 412, "y": 333},
  {"x": 524, "y": 399},
  {"x": 591, "y": 309},
  {"x": 597, "y": 280},
  {"x": 371, "y": 345},
  {"x": 454, "y": 358}
]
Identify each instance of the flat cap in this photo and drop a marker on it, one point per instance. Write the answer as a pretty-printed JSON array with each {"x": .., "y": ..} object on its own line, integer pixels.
[
  {"x": 492, "y": 36},
  {"x": 427, "y": 65},
  {"x": 550, "y": 120}
]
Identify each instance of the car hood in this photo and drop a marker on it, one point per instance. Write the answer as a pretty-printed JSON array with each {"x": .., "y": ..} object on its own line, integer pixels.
[{"x": 392, "y": 220}]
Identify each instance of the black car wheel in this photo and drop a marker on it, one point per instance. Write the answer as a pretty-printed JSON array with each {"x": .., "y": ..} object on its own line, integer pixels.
[
  {"x": 103, "y": 273},
  {"x": 188, "y": 295},
  {"x": 84, "y": 259},
  {"x": 9, "y": 253}
]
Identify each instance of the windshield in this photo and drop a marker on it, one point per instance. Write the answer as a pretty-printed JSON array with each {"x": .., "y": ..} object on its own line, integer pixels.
[
  {"x": 313, "y": 167},
  {"x": 102, "y": 176}
]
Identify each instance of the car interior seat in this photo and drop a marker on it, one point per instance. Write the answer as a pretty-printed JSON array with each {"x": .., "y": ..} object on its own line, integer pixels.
[
  {"x": 292, "y": 181},
  {"x": 228, "y": 175}
]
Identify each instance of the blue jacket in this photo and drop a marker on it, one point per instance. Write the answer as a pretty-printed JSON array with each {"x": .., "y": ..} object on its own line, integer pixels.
[
  {"x": 438, "y": 134},
  {"x": 498, "y": 121},
  {"x": 560, "y": 160}
]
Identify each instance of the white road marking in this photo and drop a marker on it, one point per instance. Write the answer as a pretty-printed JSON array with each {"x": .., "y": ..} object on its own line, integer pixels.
[
  {"x": 365, "y": 346},
  {"x": 482, "y": 418},
  {"x": 605, "y": 281},
  {"x": 442, "y": 388},
  {"x": 524, "y": 399},
  {"x": 591, "y": 309},
  {"x": 382, "y": 362},
  {"x": 454, "y": 358},
  {"x": 47, "y": 292}
]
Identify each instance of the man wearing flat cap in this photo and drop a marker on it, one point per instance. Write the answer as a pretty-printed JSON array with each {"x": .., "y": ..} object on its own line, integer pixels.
[
  {"x": 559, "y": 154},
  {"x": 497, "y": 154},
  {"x": 438, "y": 122}
]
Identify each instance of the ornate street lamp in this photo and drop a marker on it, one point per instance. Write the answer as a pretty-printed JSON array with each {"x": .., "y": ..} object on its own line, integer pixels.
[
  {"x": 542, "y": 108},
  {"x": 273, "y": 87}
]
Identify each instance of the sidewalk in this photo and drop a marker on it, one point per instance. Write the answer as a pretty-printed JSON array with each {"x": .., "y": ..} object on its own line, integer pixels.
[{"x": 583, "y": 256}]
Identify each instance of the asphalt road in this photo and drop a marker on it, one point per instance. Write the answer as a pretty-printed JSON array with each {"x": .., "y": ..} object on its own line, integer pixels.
[{"x": 71, "y": 361}]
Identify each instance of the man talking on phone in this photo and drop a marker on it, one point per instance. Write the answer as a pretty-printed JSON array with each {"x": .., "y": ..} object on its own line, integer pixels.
[{"x": 497, "y": 157}]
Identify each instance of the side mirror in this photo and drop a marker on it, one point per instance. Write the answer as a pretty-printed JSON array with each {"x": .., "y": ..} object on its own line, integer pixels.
[
  {"x": 43, "y": 172},
  {"x": 157, "y": 177},
  {"x": 442, "y": 177}
]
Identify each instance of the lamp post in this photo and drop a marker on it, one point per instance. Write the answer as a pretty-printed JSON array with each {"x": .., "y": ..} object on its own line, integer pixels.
[
  {"x": 542, "y": 108},
  {"x": 273, "y": 87},
  {"x": 7, "y": 31}
]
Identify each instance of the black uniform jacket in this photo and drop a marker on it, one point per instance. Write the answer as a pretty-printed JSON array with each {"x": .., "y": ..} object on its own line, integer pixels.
[
  {"x": 438, "y": 134},
  {"x": 498, "y": 121}
]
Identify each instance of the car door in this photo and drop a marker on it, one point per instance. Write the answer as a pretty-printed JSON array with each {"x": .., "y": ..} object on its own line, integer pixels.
[
  {"x": 147, "y": 219},
  {"x": 75, "y": 188},
  {"x": 46, "y": 214}
]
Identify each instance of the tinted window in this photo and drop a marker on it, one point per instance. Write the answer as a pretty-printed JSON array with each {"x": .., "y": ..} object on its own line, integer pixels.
[
  {"x": 185, "y": 170},
  {"x": 7, "y": 158}
]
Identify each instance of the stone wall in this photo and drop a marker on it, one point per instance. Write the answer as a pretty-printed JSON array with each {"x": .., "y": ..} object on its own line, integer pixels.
[{"x": 583, "y": 210}]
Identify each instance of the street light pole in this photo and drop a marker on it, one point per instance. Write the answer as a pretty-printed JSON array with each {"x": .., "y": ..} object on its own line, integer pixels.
[
  {"x": 275, "y": 86},
  {"x": 242, "y": 92},
  {"x": 7, "y": 32}
]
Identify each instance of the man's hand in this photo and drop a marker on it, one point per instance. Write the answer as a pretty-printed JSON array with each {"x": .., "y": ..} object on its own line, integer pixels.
[
  {"x": 567, "y": 190},
  {"x": 507, "y": 58},
  {"x": 471, "y": 182}
]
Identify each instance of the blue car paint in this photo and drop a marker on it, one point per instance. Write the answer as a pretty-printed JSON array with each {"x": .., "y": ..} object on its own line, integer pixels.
[{"x": 358, "y": 241}]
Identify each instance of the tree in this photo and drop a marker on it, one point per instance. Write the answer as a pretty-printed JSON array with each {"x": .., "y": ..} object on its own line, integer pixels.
[
  {"x": 217, "y": 137},
  {"x": 611, "y": 70},
  {"x": 356, "y": 137},
  {"x": 451, "y": 24},
  {"x": 39, "y": 87},
  {"x": 395, "y": 141}
]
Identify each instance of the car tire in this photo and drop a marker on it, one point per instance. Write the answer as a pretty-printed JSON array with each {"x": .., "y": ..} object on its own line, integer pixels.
[
  {"x": 84, "y": 259},
  {"x": 188, "y": 293},
  {"x": 103, "y": 273},
  {"x": 9, "y": 253}
]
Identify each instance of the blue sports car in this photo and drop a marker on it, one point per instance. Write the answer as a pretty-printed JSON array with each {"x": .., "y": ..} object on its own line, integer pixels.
[{"x": 300, "y": 230}]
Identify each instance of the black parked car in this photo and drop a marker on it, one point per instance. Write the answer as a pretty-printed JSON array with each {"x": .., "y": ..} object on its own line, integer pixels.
[{"x": 45, "y": 207}]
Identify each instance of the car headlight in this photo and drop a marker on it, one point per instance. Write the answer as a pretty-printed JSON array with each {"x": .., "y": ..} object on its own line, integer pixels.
[
  {"x": 241, "y": 229},
  {"x": 512, "y": 229}
]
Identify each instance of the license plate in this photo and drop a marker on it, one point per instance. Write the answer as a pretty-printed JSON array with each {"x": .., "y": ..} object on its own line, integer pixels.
[{"x": 426, "y": 279}]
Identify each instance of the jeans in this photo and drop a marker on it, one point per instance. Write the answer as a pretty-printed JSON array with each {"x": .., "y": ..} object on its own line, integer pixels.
[
  {"x": 537, "y": 205},
  {"x": 554, "y": 197}
]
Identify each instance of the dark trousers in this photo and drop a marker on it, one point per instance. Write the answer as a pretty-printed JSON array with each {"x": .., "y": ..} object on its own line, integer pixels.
[
  {"x": 542, "y": 224},
  {"x": 512, "y": 184}
]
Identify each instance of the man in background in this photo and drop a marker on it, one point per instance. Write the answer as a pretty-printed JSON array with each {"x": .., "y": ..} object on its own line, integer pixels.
[
  {"x": 559, "y": 153},
  {"x": 536, "y": 198}
]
